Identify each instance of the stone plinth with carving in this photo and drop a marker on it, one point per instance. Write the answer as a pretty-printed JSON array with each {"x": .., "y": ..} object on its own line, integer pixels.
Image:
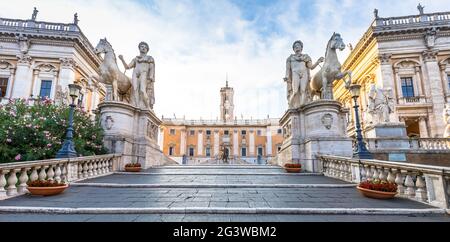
[
  {"x": 132, "y": 132},
  {"x": 317, "y": 128},
  {"x": 389, "y": 136}
]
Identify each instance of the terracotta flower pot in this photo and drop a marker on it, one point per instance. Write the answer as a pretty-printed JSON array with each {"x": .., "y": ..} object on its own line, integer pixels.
[
  {"x": 376, "y": 194},
  {"x": 47, "y": 191},
  {"x": 293, "y": 170},
  {"x": 132, "y": 169}
]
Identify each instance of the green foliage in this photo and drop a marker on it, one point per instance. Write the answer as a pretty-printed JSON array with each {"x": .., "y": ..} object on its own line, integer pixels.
[{"x": 35, "y": 130}]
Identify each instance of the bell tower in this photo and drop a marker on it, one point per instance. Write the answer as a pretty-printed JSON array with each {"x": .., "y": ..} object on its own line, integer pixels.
[{"x": 226, "y": 103}]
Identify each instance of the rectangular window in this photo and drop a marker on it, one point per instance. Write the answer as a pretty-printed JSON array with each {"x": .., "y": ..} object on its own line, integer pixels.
[
  {"x": 46, "y": 88},
  {"x": 208, "y": 152},
  {"x": 191, "y": 132},
  {"x": 208, "y": 132},
  {"x": 260, "y": 151},
  {"x": 407, "y": 87},
  {"x": 244, "y": 132},
  {"x": 3, "y": 86},
  {"x": 191, "y": 151},
  {"x": 243, "y": 151},
  {"x": 259, "y": 132},
  {"x": 448, "y": 81},
  {"x": 172, "y": 131},
  {"x": 171, "y": 150},
  {"x": 279, "y": 131},
  {"x": 226, "y": 132}
]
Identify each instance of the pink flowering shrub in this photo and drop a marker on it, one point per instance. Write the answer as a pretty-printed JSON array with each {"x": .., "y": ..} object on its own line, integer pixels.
[{"x": 35, "y": 130}]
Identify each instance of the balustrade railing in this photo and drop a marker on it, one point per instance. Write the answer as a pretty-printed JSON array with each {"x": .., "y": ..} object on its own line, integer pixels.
[
  {"x": 15, "y": 176},
  {"x": 413, "y": 19},
  {"x": 18, "y": 23},
  {"x": 429, "y": 144},
  {"x": 428, "y": 184}
]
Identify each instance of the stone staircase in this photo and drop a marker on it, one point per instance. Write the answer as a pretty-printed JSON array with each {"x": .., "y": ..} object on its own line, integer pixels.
[{"x": 219, "y": 193}]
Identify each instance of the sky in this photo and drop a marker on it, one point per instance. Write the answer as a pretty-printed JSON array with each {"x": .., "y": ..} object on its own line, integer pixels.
[{"x": 196, "y": 44}]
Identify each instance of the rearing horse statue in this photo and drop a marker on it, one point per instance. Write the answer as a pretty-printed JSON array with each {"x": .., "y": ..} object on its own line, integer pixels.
[
  {"x": 322, "y": 83},
  {"x": 110, "y": 73}
]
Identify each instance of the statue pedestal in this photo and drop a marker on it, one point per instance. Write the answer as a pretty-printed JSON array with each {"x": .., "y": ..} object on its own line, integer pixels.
[
  {"x": 131, "y": 132},
  {"x": 317, "y": 128},
  {"x": 389, "y": 137}
]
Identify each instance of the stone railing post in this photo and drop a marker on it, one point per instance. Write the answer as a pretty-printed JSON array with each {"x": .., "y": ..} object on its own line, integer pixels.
[
  {"x": 3, "y": 183},
  {"x": 22, "y": 189},
  {"x": 437, "y": 190},
  {"x": 12, "y": 181}
]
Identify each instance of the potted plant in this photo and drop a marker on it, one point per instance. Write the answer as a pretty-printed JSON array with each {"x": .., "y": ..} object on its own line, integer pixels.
[
  {"x": 133, "y": 167},
  {"x": 46, "y": 188},
  {"x": 293, "y": 168},
  {"x": 378, "y": 189}
]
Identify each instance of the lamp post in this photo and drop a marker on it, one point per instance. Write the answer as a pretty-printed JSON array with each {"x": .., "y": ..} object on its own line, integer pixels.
[
  {"x": 68, "y": 148},
  {"x": 361, "y": 151}
]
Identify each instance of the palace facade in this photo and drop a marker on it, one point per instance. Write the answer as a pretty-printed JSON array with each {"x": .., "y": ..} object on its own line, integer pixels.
[
  {"x": 411, "y": 56},
  {"x": 204, "y": 141},
  {"x": 40, "y": 59}
]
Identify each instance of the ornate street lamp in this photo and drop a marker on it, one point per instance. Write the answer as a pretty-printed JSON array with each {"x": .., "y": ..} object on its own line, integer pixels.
[
  {"x": 361, "y": 151},
  {"x": 68, "y": 148}
]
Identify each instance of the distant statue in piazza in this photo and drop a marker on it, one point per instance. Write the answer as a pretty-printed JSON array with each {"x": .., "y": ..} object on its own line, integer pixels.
[
  {"x": 34, "y": 15},
  {"x": 381, "y": 104},
  {"x": 143, "y": 77},
  {"x": 447, "y": 120},
  {"x": 111, "y": 75},
  {"x": 322, "y": 83},
  {"x": 298, "y": 76}
]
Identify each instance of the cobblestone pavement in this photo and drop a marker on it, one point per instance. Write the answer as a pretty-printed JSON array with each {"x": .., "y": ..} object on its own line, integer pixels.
[{"x": 173, "y": 198}]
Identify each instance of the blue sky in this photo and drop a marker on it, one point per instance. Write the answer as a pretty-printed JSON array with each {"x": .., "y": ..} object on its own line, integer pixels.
[{"x": 196, "y": 42}]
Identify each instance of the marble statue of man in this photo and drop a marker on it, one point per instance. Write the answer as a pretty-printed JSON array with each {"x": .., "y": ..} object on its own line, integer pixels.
[
  {"x": 143, "y": 77},
  {"x": 447, "y": 120},
  {"x": 381, "y": 104},
  {"x": 298, "y": 76}
]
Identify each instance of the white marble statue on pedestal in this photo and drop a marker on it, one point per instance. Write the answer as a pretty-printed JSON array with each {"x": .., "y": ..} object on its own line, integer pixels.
[
  {"x": 381, "y": 104},
  {"x": 447, "y": 120},
  {"x": 298, "y": 68},
  {"x": 322, "y": 83},
  {"x": 143, "y": 78}
]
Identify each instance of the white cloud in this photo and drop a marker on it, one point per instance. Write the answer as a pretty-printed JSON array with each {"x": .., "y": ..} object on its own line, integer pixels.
[{"x": 195, "y": 43}]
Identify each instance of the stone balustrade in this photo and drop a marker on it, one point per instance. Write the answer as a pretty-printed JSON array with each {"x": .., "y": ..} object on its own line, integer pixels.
[
  {"x": 14, "y": 176},
  {"x": 413, "y": 19},
  {"x": 428, "y": 144},
  {"x": 24, "y": 24},
  {"x": 428, "y": 184}
]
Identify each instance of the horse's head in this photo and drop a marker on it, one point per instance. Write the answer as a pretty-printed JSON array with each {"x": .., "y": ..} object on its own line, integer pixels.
[
  {"x": 336, "y": 42},
  {"x": 103, "y": 46}
]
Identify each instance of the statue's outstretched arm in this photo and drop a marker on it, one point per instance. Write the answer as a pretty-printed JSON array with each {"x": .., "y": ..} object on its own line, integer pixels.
[
  {"x": 131, "y": 65},
  {"x": 312, "y": 67}
]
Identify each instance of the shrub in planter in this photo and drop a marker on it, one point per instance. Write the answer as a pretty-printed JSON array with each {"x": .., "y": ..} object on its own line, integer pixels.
[
  {"x": 46, "y": 188},
  {"x": 378, "y": 189},
  {"x": 35, "y": 130},
  {"x": 133, "y": 167},
  {"x": 293, "y": 168}
]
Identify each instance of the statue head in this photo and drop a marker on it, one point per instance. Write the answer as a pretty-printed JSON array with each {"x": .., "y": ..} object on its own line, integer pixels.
[
  {"x": 297, "y": 46},
  {"x": 143, "y": 47}
]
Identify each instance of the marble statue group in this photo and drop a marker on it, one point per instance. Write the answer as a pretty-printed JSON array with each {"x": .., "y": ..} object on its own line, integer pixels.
[
  {"x": 137, "y": 90},
  {"x": 301, "y": 88}
]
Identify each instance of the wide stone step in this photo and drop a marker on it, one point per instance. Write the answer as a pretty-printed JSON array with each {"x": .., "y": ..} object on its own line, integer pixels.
[{"x": 247, "y": 179}]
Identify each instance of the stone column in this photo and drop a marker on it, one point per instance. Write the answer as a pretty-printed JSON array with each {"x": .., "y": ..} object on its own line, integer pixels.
[
  {"x": 236, "y": 143},
  {"x": 34, "y": 89},
  {"x": 437, "y": 93},
  {"x": 385, "y": 73},
  {"x": 398, "y": 83},
  {"x": 252, "y": 143},
  {"x": 423, "y": 127},
  {"x": 22, "y": 78},
  {"x": 419, "y": 81},
  {"x": 67, "y": 72},
  {"x": 216, "y": 143},
  {"x": 200, "y": 143},
  {"x": 269, "y": 142},
  {"x": 183, "y": 142},
  {"x": 11, "y": 84}
]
